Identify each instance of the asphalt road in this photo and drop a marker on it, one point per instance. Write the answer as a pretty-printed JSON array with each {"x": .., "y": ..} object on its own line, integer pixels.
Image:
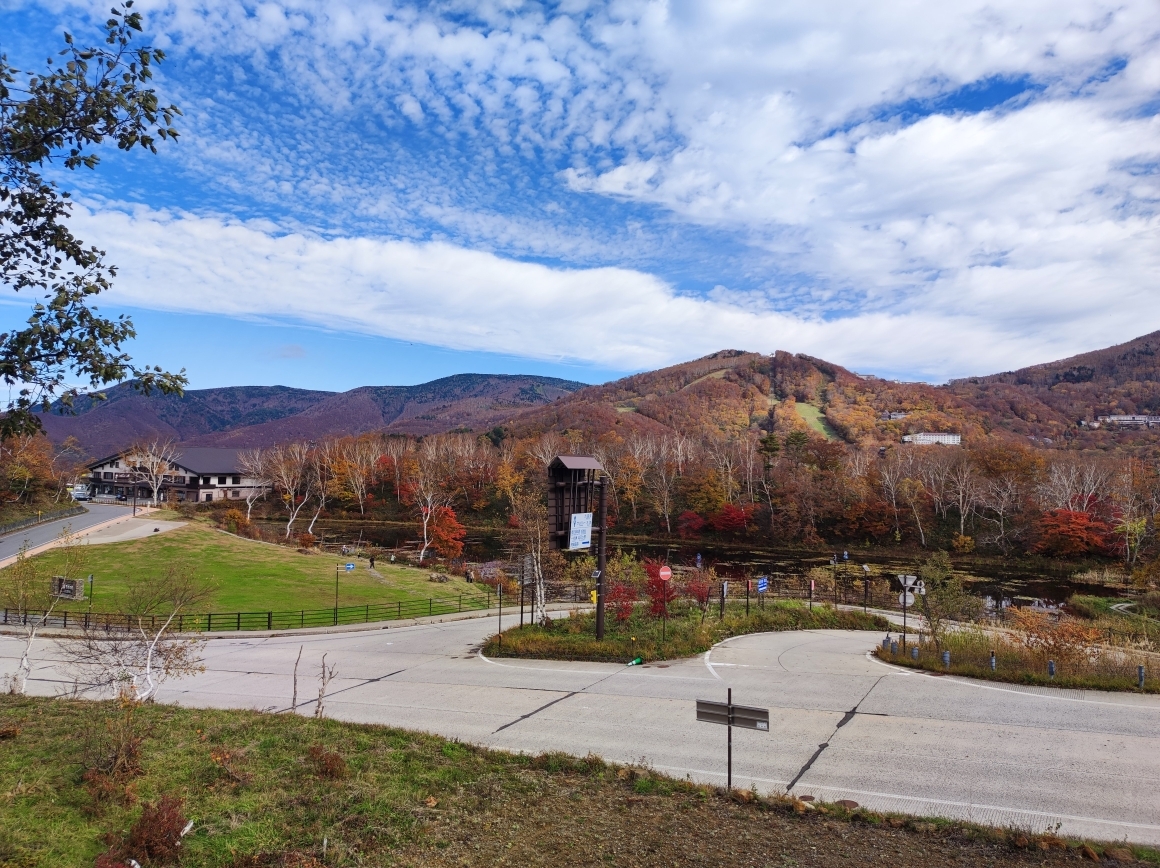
[
  {"x": 46, "y": 533},
  {"x": 843, "y": 725}
]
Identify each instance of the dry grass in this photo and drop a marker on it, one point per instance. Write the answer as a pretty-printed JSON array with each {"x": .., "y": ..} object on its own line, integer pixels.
[{"x": 1017, "y": 662}]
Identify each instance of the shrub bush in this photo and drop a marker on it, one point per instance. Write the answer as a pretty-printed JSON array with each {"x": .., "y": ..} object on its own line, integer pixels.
[
  {"x": 154, "y": 839},
  {"x": 327, "y": 764}
]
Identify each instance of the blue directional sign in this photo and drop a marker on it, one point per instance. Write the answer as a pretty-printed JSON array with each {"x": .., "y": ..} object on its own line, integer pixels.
[
  {"x": 349, "y": 567},
  {"x": 762, "y": 584}
]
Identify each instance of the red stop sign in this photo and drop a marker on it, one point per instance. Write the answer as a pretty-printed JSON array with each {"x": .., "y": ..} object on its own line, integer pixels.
[{"x": 666, "y": 574}]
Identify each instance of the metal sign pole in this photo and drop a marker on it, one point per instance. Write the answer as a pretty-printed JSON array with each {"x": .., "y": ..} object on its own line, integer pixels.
[
  {"x": 729, "y": 749},
  {"x": 747, "y": 598},
  {"x": 729, "y": 715},
  {"x": 904, "y": 597},
  {"x": 336, "y": 595},
  {"x": 601, "y": 557},
  {"x": 499, "y": 593},
  {"x": 665, "y": 622}
]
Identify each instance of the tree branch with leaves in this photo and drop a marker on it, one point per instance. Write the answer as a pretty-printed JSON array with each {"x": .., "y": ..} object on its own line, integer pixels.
[{"x": 88, "y": 97}]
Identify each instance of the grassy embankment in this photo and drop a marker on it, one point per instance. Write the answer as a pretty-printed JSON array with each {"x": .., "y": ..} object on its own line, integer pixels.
[
  {"x": 249, "y": 576},
  {"x": 267, "y": 790},
  {"x": 687, "y": 633}
]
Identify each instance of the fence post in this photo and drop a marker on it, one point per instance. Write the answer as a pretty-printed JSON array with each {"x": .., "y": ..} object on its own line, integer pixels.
[
  {"x": 239, "y": 627},
  {"x": 400, "y": 616},
  {"x": 209, "y": 622},
  {"x": 430, "y": 606},
  {"x": 301, "y": 619},
  {"x": 461, "y": 602},
  {"x": 367, "y": 619},
  {"x": 269, "y": 620}
]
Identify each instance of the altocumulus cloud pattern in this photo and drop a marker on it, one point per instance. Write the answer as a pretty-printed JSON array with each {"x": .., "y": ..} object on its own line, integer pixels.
[{"x": 925, "y": 189}]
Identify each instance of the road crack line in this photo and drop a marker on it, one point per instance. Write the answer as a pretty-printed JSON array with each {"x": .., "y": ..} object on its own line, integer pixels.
[
  {"x": 537, "y": 711},
  {"x": 846, "y": 718}
]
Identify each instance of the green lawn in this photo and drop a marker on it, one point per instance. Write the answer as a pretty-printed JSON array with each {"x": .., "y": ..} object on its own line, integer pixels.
[
  {"x": 249, "y": 576},
  {"x": 815, "y": 419}
]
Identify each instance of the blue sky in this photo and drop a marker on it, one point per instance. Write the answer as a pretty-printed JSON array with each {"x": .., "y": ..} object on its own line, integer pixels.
[{"x": 372, "y": 192}]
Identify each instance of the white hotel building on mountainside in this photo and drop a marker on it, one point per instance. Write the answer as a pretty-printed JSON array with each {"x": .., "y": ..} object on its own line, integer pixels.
[
  {"x": 196, "y": 475},
  {"x": 929, "y": 439}
]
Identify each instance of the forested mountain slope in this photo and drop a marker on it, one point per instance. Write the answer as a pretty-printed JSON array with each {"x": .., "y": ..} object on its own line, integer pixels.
[
  {"x": 718, "y": 396},
  {"x": 262, "y": 415}
]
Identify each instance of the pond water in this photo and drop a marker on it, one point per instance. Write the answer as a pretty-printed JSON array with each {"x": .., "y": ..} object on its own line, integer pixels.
[{"x": 989, "y": 577}]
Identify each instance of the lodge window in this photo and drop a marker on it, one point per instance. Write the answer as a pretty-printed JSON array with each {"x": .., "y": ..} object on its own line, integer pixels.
[
  {"x": 237, "y": 480},
  {"x": 221, "y": 480}
]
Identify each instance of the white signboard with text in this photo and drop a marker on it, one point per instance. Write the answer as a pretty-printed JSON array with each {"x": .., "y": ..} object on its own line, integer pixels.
[{"x": 580, "y": 536}]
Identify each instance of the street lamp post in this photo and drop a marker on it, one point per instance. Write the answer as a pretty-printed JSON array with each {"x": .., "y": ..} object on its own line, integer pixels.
[{"x": 601, "y": 557}]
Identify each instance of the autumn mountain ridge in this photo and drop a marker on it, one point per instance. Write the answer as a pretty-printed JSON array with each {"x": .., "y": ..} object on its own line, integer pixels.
[
  {"x": 720, "y": 395},
  {"x": 247, "y": 416}
]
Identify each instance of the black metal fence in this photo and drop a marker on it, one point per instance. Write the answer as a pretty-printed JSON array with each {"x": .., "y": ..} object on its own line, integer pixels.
[
  {"x": 212, "y": 622},
  {"x": 43, "y": 518}
]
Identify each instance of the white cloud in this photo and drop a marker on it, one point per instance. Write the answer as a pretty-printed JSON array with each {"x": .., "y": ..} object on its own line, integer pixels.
[
  {"x": 469, "y": 300},
  {"x": 952, "y": 244}
]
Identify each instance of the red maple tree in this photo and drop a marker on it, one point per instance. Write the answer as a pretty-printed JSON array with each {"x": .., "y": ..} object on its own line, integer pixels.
[
  {"x": 1067, "y": 533},
  {"x": 658, "y": 591},
  {"x": 447, "y": 534},
  {"x": 689, "y": 524},
  {"x": 730, "y": 519},
  {"x": 621, "y": 598}
]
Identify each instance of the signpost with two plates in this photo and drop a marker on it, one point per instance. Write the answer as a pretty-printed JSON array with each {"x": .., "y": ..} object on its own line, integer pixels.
[{"x": 911, "y": 585}]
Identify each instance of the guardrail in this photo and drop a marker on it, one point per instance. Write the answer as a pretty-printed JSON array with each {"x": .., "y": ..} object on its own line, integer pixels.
[
  {"x": 43, "y": 518},
  {"x": 212, "y": 622}
]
